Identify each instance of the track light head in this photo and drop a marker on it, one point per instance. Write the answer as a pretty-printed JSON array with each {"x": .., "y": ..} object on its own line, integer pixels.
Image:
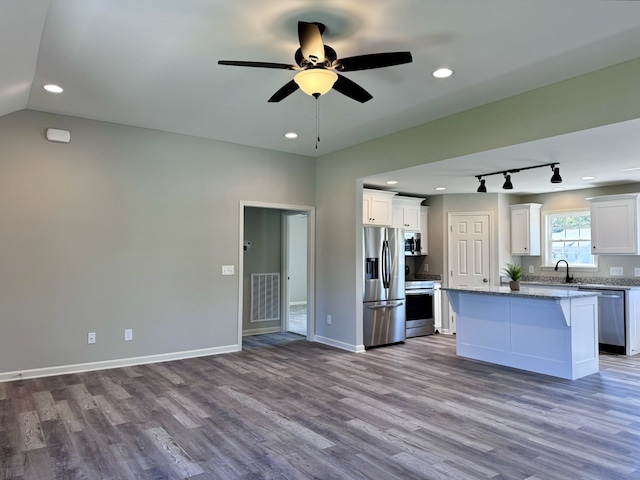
[
  {"x": 507, "y": 185},
  {"x": 556, "y": 178},
  {"x": 482, "y": 188}
]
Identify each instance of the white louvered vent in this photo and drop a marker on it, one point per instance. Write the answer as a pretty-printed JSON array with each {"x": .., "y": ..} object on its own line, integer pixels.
[{"x": 265, "y": 297}]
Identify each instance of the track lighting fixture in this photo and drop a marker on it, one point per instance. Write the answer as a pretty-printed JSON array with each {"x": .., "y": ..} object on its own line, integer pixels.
[{"x": 556, "y": 178}]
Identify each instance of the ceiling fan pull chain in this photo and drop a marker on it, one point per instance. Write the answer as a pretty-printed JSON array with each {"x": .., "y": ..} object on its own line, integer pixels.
[{"x": 317, "y": 120}]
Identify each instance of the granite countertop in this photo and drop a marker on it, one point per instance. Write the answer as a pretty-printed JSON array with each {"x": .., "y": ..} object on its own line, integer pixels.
[
  {"x": 599, "y": 286},
  {"x": 526, "y": 291}
]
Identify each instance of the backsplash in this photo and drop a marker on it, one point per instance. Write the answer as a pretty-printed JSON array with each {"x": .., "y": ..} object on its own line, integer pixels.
[{"x": 627, "y": 282}]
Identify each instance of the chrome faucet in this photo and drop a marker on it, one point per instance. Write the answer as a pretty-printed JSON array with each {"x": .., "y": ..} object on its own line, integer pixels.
[{"x": 567, "y": 279}]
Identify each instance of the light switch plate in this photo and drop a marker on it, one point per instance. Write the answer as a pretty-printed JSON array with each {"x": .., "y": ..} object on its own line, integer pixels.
[
  {"x": 531, "y": 270},
  {"x": 636, "y": 272},
  {"x": 228, "y": 270},
  {"x": 617, "y": 271}
]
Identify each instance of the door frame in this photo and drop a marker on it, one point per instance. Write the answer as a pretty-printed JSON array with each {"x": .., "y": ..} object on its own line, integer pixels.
[
  {"x": 311, "y": 255},
  {"x": 449, "y": 312}
]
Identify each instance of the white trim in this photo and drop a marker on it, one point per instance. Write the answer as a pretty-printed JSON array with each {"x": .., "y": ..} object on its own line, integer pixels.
[
  {"x": 338, "y": 344},
  {"x": 298, "y": 303},
  {"x": 261, "y": 331},
  {"x": 118, "y": 363}
]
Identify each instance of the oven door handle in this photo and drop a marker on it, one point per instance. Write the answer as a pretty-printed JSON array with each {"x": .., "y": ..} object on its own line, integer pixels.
[{"x": 415, "y": 293}]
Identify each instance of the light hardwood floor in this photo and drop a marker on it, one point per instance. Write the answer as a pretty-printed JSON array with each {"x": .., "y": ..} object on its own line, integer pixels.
[{"x": 286, "y": 409}]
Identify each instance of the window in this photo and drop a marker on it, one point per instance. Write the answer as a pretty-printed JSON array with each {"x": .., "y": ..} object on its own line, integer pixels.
[{"x": 568, "y": 237}]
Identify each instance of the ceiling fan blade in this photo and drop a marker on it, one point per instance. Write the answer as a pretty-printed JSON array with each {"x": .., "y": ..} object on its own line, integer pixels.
[
  {"x": 239, "y": 63},
  {"x": 311, "y": 42},
  {"x": 374, "y": 60},
  {"x": 284, "y": 92},
  {"x": 351, "y": 89}
]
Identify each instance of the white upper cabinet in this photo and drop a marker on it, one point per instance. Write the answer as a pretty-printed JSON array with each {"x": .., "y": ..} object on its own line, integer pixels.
[
  {"x": 525, "y": 229},
  {"x": 377, "y": 207},
  {"x": 614, "y": 224},
  {"x": 406, "y": 213},
  {"x": 424, "y": 217}
]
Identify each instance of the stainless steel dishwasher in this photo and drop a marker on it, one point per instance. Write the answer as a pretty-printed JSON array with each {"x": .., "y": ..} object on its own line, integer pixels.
[{"x": 611, "y": 319}]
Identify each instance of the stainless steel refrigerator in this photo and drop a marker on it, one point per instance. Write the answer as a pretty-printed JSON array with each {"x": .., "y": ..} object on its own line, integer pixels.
[{"x": 384, "y": 299}]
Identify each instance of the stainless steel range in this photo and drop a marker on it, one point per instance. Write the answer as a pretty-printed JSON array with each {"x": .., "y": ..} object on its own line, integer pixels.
[{"x": 419, "y": 298}]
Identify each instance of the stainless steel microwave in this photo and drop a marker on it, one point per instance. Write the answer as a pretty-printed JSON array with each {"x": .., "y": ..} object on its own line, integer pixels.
[{"x": 412, "y": 243}]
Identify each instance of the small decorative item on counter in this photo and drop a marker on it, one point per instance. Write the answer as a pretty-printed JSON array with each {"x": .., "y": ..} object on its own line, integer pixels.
[{"x": 514, "y": 272}]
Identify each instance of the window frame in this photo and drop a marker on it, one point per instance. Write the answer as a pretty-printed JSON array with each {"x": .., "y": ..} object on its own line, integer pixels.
[{"x": 547, "y": 240}]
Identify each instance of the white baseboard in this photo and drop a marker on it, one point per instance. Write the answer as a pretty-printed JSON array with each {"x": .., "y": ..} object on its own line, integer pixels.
[
  {"x": 118, "y": 363},
  {"x": 261, "y": 331},
  {"x": 338, "y": 344}
]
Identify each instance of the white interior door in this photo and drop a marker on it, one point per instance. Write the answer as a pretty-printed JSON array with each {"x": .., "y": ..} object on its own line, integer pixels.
[{"x": 469, "y": 252}]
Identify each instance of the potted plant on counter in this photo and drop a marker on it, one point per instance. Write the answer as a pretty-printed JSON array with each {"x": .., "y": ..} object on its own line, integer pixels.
[{"x": 514, "y": 272}]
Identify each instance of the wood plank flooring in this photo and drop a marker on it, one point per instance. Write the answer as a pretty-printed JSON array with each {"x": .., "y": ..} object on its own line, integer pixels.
[{"x": 287, "y": 409}]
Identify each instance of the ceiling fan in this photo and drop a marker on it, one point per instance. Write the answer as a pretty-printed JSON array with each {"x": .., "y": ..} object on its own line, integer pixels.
[{"x": 318, "y": 66}]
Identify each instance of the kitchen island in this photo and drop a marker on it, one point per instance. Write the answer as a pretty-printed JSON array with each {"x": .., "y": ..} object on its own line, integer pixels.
[{"x": 542, "y": 330}]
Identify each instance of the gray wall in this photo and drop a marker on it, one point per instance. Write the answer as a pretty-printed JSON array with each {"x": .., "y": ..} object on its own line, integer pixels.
[
  {"x": 596, "y": 99},
  {"x": 124, "y": 228},
  {"x": 263, "y": 227}
]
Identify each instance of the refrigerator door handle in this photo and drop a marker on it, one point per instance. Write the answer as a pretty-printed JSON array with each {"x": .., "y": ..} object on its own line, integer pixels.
[
  {"x": 388, "y": 305},
  {"x": 385, "y": 265}
]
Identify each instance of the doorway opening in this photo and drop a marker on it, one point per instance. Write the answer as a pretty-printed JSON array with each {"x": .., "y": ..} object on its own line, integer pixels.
[
  {"x": 295, "y": 272},
  {"x": 276, "y": 270}
]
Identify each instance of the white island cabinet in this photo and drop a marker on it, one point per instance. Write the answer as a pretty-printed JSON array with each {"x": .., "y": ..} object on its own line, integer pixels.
[{"x": 554, "y": 332}]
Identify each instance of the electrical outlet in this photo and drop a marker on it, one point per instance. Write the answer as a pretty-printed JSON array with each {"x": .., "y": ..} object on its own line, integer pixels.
[
  {"x": 618, "y": 271},
  {"x": 636, "y": 272},
  {"x": 531, "y": 269},
  {"x": 228, "y": 270},
  {"x": 425, "y": 267},
  {"x": 328, "y": 319},
  {"x": 91, "y": 337},
  {"x": 128, "y": 335}
]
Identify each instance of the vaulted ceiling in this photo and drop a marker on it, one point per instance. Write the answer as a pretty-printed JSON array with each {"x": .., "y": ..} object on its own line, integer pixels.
[{"x": 153, "y": 63}]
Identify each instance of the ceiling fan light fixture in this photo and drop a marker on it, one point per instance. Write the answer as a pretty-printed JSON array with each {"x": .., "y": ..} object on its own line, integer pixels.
[{"x": 316, "y": 81}]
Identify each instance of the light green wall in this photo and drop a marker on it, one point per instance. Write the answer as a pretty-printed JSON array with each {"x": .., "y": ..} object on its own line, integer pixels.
[
  {"x": 124, "y": 228},
  {"x": 596, "y": 99}
]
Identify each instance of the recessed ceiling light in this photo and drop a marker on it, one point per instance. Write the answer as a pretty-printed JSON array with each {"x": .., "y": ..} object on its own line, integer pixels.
[
  {"x": 441, "y": 188},
  {"x": 392, "y": 182},
  {"x": 53, "y": 88},
  {"x": 630, "y": 169},
  {"x": 588, "y": 178},
  {"x": 442, "y": 73},
  {"x": 291, "y": 135}
]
